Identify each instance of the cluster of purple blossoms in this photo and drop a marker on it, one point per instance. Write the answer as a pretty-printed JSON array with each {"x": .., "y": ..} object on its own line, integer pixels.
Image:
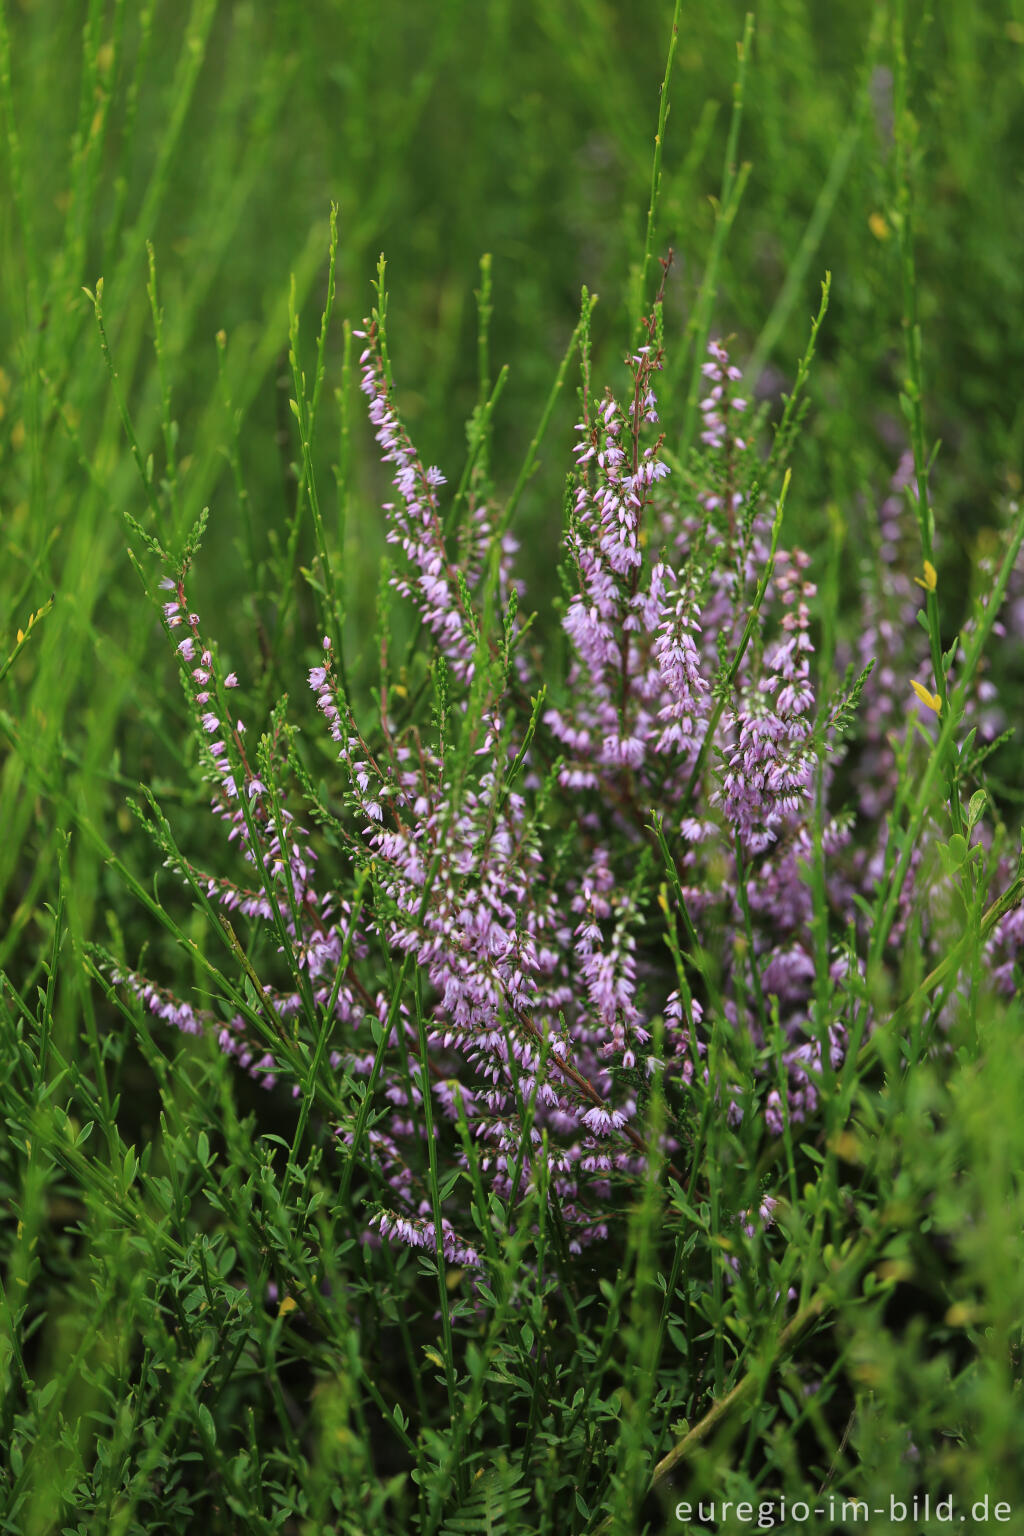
[
  {"x": 716, "y": 432},
  {"x": 545, "y": 1006},
  {"x": 770, "y": 760},
  {"x": 415, "y": 523}
]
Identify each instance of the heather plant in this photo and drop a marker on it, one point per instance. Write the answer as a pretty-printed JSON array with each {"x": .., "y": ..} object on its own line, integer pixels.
[
  {"x": 685, "y": 749},
  {"x": 622, "y": 926},
  {"x": 527, "y": 1037}
]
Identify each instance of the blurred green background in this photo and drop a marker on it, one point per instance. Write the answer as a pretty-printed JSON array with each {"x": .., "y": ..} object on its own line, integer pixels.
[{"x": 222, "y": 132}]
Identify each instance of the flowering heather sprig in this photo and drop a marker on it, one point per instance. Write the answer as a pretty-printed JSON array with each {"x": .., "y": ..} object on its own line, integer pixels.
[
  {"x": 623, "y": 681},
  {"x": 414, "y": 522},
  {"x": 715, "y": 407},
  {"x": 770, "y": 762},
  {"x": 267, "y": 836},
  {"x": 717, "y": 431},
  {"x": 421, "y": 1232},
  {"x": 315, "y": 928},
  {"x": 233, "y": 1037}
]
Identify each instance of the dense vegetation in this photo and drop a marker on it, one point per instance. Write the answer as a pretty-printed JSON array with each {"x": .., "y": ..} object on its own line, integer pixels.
[{"x": 560, "y": 1065}]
